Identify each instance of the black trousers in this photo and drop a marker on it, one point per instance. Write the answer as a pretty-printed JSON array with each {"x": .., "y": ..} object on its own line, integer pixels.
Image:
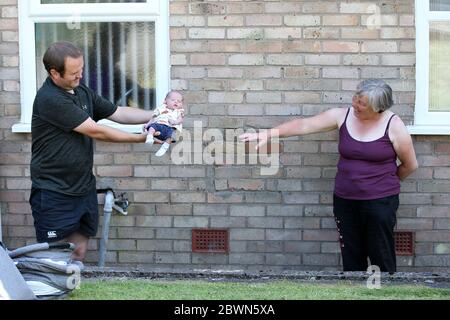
[{"x": 366, "y": 230}]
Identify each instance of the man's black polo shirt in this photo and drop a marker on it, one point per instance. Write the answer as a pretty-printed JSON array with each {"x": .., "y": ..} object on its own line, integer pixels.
[{"x": 62, "y": 159}]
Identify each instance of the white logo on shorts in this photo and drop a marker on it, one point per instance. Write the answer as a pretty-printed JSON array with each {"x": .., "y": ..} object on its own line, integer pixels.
[{"x": 51, "y": 234}]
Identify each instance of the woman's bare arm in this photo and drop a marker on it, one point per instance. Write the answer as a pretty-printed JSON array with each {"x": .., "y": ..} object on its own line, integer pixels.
[
  {"x": 403, "y": 146},
  {"x": 325, "y": 121}
]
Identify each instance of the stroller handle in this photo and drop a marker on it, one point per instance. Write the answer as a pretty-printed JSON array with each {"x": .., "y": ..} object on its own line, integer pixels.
[
  {"x": 61, "y": 245},
  {"x": 39, "y": 247}
]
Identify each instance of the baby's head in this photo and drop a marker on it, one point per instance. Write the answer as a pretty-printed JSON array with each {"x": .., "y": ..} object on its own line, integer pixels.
[{"x": 174, "y": 100}]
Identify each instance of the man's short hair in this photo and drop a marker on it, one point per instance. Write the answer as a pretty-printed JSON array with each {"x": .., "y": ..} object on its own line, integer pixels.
[{"x": 56, "y": 54}]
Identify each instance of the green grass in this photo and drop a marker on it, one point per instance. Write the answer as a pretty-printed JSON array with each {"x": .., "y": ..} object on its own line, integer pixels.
[{"x": 271, "y": 290}]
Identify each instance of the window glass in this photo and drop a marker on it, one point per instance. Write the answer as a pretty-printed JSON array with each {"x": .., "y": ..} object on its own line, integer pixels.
[
  {"x": 439, "y": 5},
  {"x": 88, "y": 1},
  {"x": 439, "y": 83},
  {"x": 119, "y": 58}
]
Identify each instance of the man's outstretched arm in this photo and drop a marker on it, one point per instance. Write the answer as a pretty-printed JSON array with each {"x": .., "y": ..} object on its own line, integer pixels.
[
  {"x": 130, "y": 115},
  {"x": 97, "y": 131}
]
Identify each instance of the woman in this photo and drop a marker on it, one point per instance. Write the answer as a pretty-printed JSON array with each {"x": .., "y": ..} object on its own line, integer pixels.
[{"x": 367, "y": 185}]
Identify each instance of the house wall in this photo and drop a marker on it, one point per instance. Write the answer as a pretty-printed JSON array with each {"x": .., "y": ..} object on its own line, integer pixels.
[{"x": 250, "y": 64}]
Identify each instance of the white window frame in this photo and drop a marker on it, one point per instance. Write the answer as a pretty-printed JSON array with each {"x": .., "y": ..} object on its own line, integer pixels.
[
  {"x": 426, "y": 122},
  {"x": 32, "y": 11}
]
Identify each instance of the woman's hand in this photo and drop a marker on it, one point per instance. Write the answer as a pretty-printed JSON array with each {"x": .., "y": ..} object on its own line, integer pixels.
[{"x": 262, "y": 138}]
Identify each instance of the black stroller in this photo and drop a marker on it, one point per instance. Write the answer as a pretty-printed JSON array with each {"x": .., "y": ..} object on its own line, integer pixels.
[{"x": 38, "y": 271}]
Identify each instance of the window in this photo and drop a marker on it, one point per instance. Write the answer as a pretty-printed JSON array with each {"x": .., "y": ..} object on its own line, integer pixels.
[
  {"x": 432, "y": 111},
  {"x": 86, "y": 1},
  {"x": 125, "y": 45}
]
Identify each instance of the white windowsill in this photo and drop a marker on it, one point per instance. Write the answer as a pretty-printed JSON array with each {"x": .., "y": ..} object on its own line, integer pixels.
[
  {"x": 428, "y": 130},
  {"x": 135, "y": 128},
  {"x": 21, "y": 128}
]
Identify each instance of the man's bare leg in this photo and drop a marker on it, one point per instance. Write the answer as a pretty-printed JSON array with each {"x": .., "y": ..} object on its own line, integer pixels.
[{"x": 81, "y": 245}]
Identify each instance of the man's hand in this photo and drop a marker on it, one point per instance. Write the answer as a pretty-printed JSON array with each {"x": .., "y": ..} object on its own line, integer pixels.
[
  {"x": 157, "y": 133},
  {"x": 147, "y": 125}
]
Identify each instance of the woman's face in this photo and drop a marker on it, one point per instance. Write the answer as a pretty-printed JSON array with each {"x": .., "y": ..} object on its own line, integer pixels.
[{"x": 361, "y": 106}]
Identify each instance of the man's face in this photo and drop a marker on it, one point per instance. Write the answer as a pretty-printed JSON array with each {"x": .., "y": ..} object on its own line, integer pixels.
[
  {"x": 72, "y": 75},
  {"x": 174, "y": 101}
]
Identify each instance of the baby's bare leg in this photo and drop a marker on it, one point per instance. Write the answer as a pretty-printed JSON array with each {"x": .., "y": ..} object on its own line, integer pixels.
[{"x": 150, "y": 133}]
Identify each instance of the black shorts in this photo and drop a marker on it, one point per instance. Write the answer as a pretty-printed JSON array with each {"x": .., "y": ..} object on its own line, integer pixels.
[
  {"x": 57, "y": 215},
  {"x": 165, "y": 132}
]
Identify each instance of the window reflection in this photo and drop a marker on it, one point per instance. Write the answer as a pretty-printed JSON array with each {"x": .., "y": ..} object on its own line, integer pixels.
[
  {"x": 119, "y": 58},
  {"x": 89, "y": 1},
  {"x": 439, "y": 93}
]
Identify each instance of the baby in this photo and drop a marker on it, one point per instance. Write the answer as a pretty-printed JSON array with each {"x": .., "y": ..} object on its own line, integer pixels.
[{"x": 167, "y": 118}]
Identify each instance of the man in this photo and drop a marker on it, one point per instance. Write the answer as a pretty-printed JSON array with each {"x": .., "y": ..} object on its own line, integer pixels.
[{"x": 65, "y": 113}]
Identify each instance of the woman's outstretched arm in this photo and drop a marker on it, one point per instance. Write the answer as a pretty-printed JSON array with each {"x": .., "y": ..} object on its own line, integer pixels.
[{"x": 325, "y": 121}]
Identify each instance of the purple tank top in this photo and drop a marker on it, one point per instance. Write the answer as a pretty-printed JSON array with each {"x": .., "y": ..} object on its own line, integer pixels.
[{"x": 366, "y": 170}]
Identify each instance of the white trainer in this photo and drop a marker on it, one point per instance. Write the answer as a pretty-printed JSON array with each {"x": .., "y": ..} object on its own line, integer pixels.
[{"x": 165, "y": 146}]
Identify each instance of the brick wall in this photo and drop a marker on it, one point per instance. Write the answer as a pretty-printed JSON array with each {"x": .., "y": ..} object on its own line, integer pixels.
[{"x": 250, "y": 64}]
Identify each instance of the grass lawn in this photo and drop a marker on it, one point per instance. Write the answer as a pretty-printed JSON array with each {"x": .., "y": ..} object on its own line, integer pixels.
[{"x": 144, "y": 289}]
